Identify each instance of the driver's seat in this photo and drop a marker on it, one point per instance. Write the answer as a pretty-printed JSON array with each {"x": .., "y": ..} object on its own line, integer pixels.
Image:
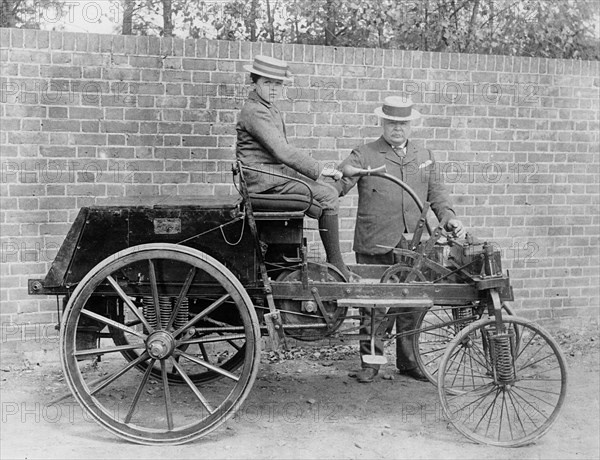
[
  {"x": 265, "y": 205},
  {"x": 278, "y": 203}
]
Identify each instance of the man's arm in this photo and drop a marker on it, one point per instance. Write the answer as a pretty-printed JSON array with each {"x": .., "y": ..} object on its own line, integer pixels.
[
  {"x": 440, "y": 202},
  {"x": 344, "y": 185},
  {"x": 259, "y": 123}
]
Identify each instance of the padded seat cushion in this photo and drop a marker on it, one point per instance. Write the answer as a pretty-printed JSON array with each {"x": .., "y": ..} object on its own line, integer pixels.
[{"x": 269, "y": 202}]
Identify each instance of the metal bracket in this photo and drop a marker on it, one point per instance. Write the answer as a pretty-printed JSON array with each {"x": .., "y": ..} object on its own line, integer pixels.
[
  {"x": 275, "y": 330},
  {"x": 416, "y": 239},
  {"x": 315, "y": 292}
]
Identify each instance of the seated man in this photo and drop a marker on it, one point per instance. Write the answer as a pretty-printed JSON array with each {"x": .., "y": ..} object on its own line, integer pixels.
[
  {"x": 262, "y": 144},
  {"x": 385, "y": 213}
]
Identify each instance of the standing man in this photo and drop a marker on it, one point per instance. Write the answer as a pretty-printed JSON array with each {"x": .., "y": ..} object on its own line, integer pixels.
[
  {"x": 385, "y": 213},
  {"x": 262, "y": 143}
]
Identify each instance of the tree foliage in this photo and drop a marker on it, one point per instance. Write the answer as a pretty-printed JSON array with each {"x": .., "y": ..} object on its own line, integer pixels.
[
  {"x": 542, "y": 28},
  {"x": 27, "y": 14}
]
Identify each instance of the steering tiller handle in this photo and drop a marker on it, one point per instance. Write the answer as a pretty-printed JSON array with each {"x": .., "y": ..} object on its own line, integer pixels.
[{"x": 352, "y": 171}]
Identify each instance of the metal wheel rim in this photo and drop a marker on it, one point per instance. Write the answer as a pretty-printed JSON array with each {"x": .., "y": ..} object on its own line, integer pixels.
[
  {"x": 447, "y": 399},
  {"x": 90, "y": 403}
]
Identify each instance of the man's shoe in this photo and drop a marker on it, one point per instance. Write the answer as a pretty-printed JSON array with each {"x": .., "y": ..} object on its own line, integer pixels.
[
  {"x": 413, "y": 374},
  {"x": 366, "y": 374}
]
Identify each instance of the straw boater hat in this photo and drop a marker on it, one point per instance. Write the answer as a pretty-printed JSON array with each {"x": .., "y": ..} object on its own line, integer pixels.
[
  {"x": 397, "y": 108},
  {"x": 269, "y": 67}
]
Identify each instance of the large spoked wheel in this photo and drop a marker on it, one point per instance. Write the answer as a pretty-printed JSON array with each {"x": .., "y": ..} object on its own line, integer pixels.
[
  {"x": 436, "y": 328},
  {"x": 151, "y": 405},
  {"x": 227, "y": 354},
  {"x": 502, "y": 390}
]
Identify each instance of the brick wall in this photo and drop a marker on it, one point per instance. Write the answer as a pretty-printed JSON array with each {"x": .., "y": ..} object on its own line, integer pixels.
[{"x": 89, "y": 117}]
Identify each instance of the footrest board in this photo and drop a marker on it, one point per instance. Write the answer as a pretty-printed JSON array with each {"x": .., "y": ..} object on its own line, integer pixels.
[{"x": 374, "y": 359}]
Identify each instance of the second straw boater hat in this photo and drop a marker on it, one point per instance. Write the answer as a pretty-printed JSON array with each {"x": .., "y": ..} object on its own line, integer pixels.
[
  {"x": 266, "y": 66},
  {"x": 397, "y": 108}
]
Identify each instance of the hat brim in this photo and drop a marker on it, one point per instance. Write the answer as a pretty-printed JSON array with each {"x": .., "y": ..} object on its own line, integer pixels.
[
  {"x": 251, "y": 69},
  {"x": 414, "y": 115}
]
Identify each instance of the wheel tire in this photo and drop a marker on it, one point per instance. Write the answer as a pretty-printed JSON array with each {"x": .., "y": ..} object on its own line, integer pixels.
[
  {"x": 489, "y": 381},
  {"x": 131, "y": 407}
]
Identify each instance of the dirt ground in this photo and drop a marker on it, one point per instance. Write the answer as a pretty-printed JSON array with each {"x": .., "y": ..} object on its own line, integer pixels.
[{"x": 304, "y": 405}]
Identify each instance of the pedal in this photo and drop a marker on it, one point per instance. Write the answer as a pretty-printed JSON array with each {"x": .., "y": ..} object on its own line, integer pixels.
[
  {"x": 275, "y": 330},
  {"x": 374, "y": 359}
]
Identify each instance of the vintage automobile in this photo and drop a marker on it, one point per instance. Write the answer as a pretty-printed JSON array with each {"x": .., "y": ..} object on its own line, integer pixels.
[{"x": 165, "y": 303}]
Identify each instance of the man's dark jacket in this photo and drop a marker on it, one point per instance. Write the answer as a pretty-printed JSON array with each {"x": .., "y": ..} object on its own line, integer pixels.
[{"x": 385, "y": 212}]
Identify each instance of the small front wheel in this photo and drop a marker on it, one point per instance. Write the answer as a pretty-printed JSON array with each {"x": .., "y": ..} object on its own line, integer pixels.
[
  {"x": 437, "y": 327},
  {"x": 503, "y": 387}
]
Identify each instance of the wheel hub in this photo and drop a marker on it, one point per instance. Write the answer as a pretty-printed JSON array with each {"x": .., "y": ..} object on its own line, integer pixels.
[{"x": 160, "y": 345}]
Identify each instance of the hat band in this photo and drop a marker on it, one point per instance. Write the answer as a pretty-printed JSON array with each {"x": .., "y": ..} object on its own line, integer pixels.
[
  {"x": 397, "y": 111},
  {"x": 274, "y": 70}
]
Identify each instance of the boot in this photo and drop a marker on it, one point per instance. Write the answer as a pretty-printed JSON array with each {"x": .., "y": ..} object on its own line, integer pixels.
[{"x": 330, "y": 236}]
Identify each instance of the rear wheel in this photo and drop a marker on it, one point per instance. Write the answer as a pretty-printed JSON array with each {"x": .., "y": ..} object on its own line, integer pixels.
[
  {"x": 226, "y": 354},
  {"x": 168, "y": 402}
]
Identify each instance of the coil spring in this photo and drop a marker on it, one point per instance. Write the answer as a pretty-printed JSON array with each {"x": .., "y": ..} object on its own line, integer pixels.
[
  {"x": 463, "y": 312},
  {"x": 166, "y": 305},
  {"x": 183, "y": 314},
  {"x": 505, "y": 370},
  {"x": 149, "y": 311}
]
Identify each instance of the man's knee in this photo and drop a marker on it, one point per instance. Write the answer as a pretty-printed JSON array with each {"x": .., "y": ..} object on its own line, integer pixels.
[{"x": 328, "y": 198}]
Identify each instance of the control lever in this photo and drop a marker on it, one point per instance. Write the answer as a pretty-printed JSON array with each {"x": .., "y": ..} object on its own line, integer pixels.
[{"x": 352, "y": 171}]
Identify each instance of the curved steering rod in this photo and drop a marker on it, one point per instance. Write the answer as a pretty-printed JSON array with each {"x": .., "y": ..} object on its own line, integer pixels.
[{"x": 352, "y": 171}]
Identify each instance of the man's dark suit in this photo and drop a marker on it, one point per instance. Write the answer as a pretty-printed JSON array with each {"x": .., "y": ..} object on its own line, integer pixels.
[{"x": 385, "y": 213}]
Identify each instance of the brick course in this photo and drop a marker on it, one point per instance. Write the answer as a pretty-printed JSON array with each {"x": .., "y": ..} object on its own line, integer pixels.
[{"x": 89, "y": 117}]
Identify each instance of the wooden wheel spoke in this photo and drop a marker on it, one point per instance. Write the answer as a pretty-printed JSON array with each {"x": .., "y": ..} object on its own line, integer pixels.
[
  {"x": 139, "y": 390},
  {"x": 184, "y": 290},
  {"x": 120, "y": 372},
  {"x": 154, "y": 290},
  {"x": 216, "y": 304},
  {"x": 234, "y": 345},
  {"x": 125, "y": 400},
  {"x": 167, "y": 393},
  {"x": 224, "y": 338},
  {"x": 103, "y": 351},
  {"x": 110, "y": 322},
  {"x": 210, "y": 367},
  {"x": 192, "y": 386},
  {"x": 203, "y": 351},
  {"x": 125, "y": 298}
]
